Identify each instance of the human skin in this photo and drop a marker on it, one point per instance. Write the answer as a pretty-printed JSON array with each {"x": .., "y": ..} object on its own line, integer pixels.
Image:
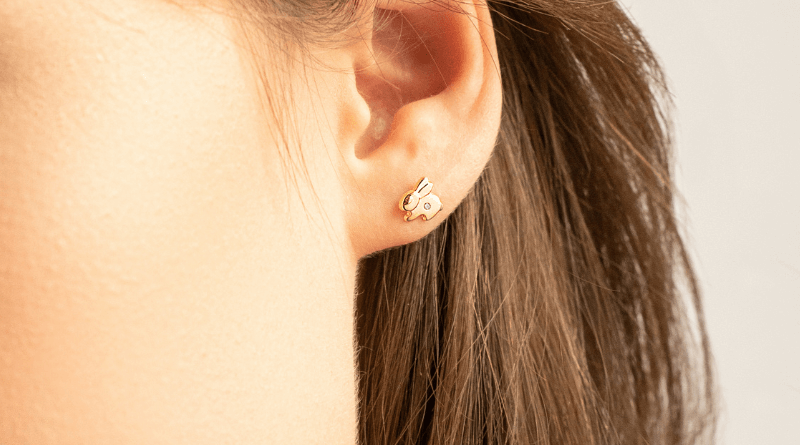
[
  {"x": 163, "y": 277},
  {"x": 148, "y": 247}
]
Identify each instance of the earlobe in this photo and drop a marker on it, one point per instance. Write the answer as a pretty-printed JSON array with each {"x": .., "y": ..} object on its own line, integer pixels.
[{"x": 429, "y": 78}]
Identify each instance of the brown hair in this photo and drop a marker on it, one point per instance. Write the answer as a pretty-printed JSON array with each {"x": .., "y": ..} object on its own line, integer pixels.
[{"x": 547, "y": 308}]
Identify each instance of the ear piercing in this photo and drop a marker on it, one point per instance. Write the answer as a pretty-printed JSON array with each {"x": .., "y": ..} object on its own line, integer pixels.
[{"x": 421, "y": 202}]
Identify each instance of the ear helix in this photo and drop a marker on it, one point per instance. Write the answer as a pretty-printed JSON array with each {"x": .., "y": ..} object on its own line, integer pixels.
[{"x": 418, "y": 204}]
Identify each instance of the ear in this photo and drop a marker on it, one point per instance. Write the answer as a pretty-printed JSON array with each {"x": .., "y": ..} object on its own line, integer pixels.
[{"x": 427, "y": 72}]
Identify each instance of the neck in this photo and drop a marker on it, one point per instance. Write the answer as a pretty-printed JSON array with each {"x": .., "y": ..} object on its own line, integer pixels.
[
  {"x": 242, "y": 338},
  {"x": 304, "y": 335},
  {"x": 282, "y": 359}
]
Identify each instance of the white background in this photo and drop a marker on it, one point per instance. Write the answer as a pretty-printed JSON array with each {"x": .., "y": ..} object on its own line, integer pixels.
[{"x": 734, "y": 68}]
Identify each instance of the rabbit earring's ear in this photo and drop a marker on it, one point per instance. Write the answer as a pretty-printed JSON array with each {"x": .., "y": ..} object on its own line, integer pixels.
[{"x": 424, "y": 187}]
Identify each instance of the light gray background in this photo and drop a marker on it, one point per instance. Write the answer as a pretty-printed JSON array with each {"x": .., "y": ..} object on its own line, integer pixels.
[{"x": 734, "y": 68}]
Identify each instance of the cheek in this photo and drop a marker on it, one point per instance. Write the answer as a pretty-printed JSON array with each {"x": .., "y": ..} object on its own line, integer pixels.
[
  {"x": 127, "y": 134},
  {"x": 123, "y": 130},
  {"x": 132, "y": 176}
]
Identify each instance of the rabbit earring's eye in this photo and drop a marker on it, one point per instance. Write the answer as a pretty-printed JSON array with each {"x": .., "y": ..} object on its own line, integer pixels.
[{"x": 407, "y": 200}]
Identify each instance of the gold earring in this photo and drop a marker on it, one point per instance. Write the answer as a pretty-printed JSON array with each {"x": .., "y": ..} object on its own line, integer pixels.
[{"x": 421, "y": 202}]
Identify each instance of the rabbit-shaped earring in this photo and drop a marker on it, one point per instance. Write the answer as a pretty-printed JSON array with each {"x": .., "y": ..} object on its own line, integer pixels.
[{"x": 421, "y": 202}]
